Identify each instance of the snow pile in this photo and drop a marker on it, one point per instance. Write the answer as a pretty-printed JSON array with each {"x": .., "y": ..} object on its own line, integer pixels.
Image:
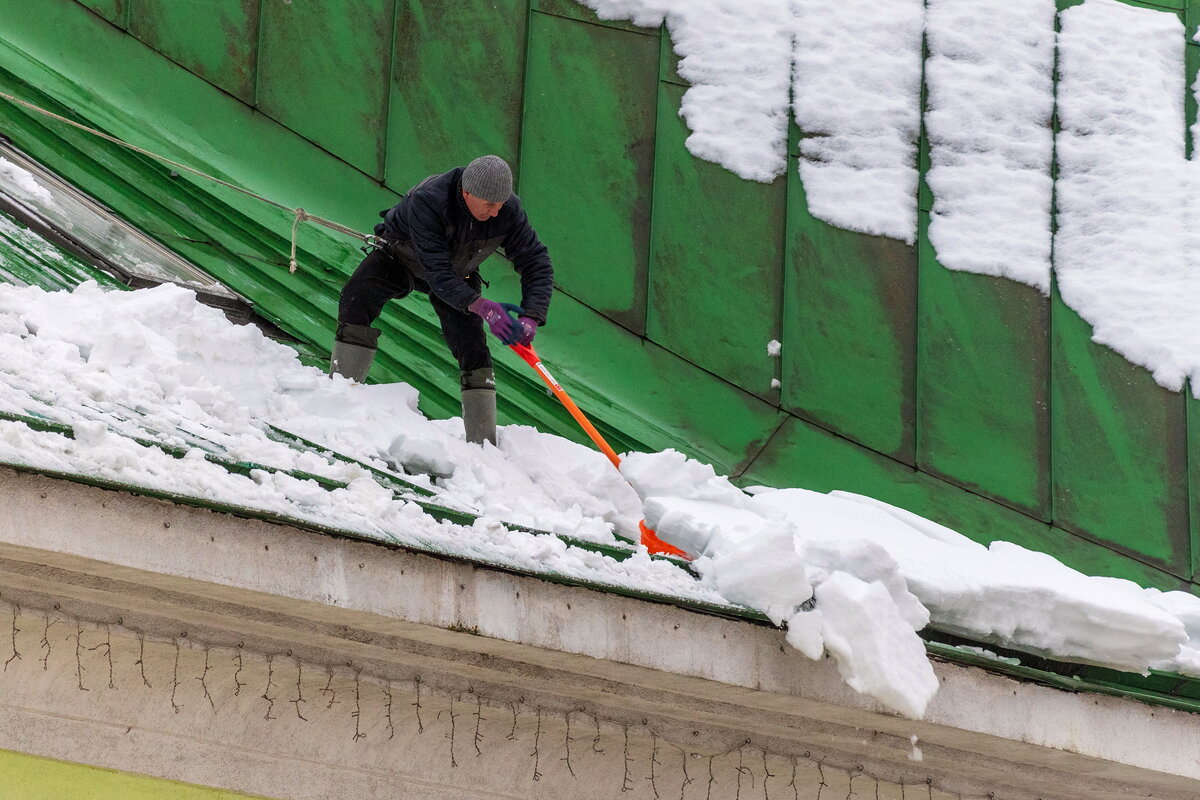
[
  {"x": 1125, "y": 252},
  {"x": 857, "y": 100},
  {"x": 857, "y": 578},
  {"x": 990, "y": 76},
  {"x": 156, "y": 364}
]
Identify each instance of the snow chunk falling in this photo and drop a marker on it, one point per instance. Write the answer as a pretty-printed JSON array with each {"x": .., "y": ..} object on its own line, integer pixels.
[
  {"x": 875, "y": 651},
  {"x": 990, "y": 74}
]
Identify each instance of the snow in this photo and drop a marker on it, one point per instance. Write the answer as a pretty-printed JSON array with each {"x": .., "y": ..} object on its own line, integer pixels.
[
  {"x": 22, "y": 184},
  {"x": 1125, "y": 252},
  {"x": 857, "y": 101},
  {"x": 737, "y": 56},
  {"x": 990, "y": 76}
]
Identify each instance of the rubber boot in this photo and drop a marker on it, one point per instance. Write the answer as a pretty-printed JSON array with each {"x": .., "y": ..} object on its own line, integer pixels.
[
  {"x": 479, "y": 405},
  {"x": 353, "y": 351}
]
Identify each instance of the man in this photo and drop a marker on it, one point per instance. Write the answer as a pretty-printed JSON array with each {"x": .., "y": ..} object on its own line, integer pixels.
[{"x": 434, "y": 241}]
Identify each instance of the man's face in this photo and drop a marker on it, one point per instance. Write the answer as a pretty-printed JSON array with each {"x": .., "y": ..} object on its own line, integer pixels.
[{"x": 482, "y": 210}]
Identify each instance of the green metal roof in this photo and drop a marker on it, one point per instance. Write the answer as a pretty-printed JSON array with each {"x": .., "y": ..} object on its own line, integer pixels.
[{"x": 242, "y": 108}]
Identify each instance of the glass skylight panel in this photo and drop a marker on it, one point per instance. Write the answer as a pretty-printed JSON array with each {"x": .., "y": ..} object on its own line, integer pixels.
[{"x": 56, "y": 204}]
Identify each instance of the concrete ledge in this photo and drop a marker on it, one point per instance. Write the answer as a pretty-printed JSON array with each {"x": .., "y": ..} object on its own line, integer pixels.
[{"x": 90, "y": 563}]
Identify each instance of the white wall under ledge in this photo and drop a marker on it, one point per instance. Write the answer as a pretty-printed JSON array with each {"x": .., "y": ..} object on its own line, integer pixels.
[{"x": 148, "y": 637}]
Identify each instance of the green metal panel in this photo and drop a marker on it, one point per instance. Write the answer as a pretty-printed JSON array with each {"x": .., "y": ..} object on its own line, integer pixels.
[
  {"x": 640, "y": 395},
  {"x": 669, "y": 64},
  {"x": 849, "y": 330},
  {"x": 716, "y": 254},
  {"x": 323, "y": 70},
  {"x": 1192, "y": 66},
  {"x": 457, "y": 85},
  {"x": 1193, "y": 478},
  {"x": 1172, "y": 6},
  {"x": 571, "y": 9},
  {"x": 1120, "y": 448},
  {"x": 804, "y": 455},
  {"x": 216, "y": 39},
  {"x": 115, "y": 11},
  {"x": 983, "y": 417},
  {"x": 587, "y": 157}
]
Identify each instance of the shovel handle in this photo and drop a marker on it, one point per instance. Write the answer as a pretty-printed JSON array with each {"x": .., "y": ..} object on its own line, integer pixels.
[{"x": 530, "y": 357}]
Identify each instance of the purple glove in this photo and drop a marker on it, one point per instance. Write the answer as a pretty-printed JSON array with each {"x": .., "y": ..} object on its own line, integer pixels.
[
  {"x": 528, "y": 330},
  {"x": 503, "y": 326}
]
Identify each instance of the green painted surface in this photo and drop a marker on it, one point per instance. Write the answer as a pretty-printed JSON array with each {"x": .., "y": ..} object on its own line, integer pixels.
[
  {"x": 115, "y": 11},
  {"x": 574, "y": 10},
  {"x": 983, "y": 418},
  {"x": 587, "y": 157},
  {"x": 1120, "y": 449},
  {"x": 323, "y": 71},
  {"x": 457, "y": 80},
  {"x": 215, "y": 39},
  {"x": 849, "y": 330},
  {"x": 25, "y": 777},
  {"x": 603, "y": 366},
  {"x": 1193, "y": 479},
  {"x": 716, "y": 260}
]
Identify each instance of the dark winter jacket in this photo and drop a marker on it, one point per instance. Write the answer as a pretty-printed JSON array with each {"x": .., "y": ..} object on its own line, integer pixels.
[{"x": 432, "y": 233}]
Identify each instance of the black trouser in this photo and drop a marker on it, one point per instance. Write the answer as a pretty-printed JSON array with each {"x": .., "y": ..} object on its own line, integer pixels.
[{"x": 380, "y": 278}]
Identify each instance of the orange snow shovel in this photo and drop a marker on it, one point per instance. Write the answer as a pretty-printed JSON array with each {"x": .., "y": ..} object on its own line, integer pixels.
[{"x": 527, "y": 353}]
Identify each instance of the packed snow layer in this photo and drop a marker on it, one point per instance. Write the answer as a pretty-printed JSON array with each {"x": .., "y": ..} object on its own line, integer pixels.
[
  {"x": 857, "y": 578},
  {"x": 857, "y": 97},
  {"x": 1125, "y": 253},
  {"x": 156, "y": 364},
  {"x": 990, "y": 78}
]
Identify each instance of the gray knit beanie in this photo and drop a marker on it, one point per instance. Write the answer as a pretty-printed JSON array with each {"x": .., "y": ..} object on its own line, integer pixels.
[{"x": 488, "y": 178}]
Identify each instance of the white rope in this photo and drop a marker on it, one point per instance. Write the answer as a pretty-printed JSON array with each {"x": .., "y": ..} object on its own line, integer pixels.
[{"x": 299, "y": 213}]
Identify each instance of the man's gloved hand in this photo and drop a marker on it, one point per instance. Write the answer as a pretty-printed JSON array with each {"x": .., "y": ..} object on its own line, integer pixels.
[
  {"x": 528, "y": 329},
  {"x": 497, "y": 315}
]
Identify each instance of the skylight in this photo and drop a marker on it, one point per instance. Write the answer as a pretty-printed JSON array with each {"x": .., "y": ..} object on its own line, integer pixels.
[{"x": 50, "y": 205}]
